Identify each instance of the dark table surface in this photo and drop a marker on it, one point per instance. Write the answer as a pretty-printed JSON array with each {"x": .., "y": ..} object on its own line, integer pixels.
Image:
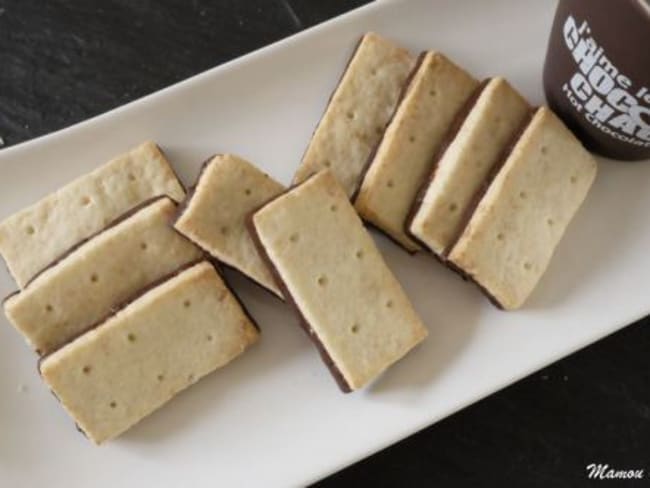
[{"x": 62, "y": 61}]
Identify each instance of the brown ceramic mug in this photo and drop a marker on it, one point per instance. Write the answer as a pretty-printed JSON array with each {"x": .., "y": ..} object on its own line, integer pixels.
[{"x": 597, "y": 74}]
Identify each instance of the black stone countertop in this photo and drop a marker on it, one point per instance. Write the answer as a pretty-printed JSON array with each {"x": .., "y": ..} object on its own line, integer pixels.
[{"x": 63, "y": 61}]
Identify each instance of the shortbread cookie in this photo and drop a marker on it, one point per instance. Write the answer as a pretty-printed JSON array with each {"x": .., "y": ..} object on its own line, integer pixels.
[
  {"x": 436, "y": 93},
  {"x": 512, "y": 234},
  {"x": 215, "y": 214},
  {"x": 34, "y": 237},
  {"x": 351, "y": 305},
  {"x": 358, "y": 112},
  {"x": 494, "y": 117},
  {"x": 165, "y": 340},
  {"x": 84, "y": 286}
]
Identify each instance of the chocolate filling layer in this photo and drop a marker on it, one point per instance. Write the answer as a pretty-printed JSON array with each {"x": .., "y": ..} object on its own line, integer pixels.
[
  {"x": 476, "y": 199},
  {"x": 468, "y": 277},
  {"x": 182, "y": 208},
  {"x": 451, "y": 134},
  {"x": 327, "y": 359}
]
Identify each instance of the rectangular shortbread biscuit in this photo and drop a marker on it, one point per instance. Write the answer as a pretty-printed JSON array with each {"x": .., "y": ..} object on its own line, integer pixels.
[
  {"x": 34, "y": 237},
  {"x": 358, "y": 112},
  {"x": 435, "y": 95},
  {"x": 513, "y": 232},
  {"x": 156, "y": 346},
  {"x": 351, "y": 304},
  {"x": 216, "y": 211},
  {"x": 85, "y": 285},
  {"x": 497, "y": 114}
]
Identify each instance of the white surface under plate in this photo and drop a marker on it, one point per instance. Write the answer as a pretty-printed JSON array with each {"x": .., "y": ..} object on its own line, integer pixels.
[{"x": 275, "y": 417}]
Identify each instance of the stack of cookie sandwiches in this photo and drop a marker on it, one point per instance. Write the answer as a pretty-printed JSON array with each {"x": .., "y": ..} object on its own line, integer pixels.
[
  {"x": 123, "y": 311},
  {"x": 466, "y": 170},
  {"x": 119, "y": 286}
]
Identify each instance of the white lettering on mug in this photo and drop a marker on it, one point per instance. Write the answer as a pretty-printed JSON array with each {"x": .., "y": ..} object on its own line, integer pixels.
[{"x": 598, "y": 89}]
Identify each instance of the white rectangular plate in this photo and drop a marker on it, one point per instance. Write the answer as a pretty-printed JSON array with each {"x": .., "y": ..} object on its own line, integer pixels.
[{"x": 275, "y": 417}]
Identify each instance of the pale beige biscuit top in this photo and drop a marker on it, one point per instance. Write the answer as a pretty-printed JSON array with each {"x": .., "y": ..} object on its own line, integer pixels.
[
  {"x": 34, "y": 237},
  {"x": 100, "y": 274},
  {"x": 437, "y": 92},
  {"x": 215, "y": 217},
  {"x": 358, "y": 111},
  {"x": 137, "y": 360},
  {"x": 489, "y": 127},
  {"x": 353, "y": 304},
  {"x": 511, "y": 237}
]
